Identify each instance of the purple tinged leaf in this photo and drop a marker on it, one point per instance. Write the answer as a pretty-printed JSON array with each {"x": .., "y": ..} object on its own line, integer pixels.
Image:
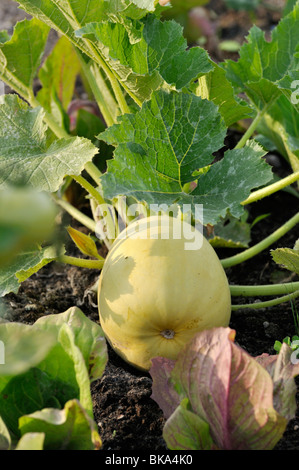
[
  {"x": 230, "y": 390},
  {"x": 163, "y": 392},
  {"x": 282, "y": 370}
]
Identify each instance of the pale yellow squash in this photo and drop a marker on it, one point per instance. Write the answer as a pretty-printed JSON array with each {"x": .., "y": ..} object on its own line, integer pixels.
[{"x": 155, "y": 292}]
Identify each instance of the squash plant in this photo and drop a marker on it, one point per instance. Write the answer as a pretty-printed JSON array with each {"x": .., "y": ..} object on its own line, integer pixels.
[
  {"x": 162, "y": 113},
  {"x": 165, "y": 110}
]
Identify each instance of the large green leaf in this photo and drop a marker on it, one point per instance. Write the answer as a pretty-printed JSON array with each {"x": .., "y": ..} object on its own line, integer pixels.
[
  {"x": 21, "y": 55},
  {"x": 263, "y": 64},
  {"x": 31, "y": 441},
  {"x": 66, "y": 16},
  {"x": 161, "y": 148},
  {"x": 156, "y": 53},
  {"x": 28, "y": 157}
]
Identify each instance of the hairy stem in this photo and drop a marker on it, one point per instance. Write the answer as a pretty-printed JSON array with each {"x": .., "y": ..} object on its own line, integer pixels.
[
  {"x": 264, "y": 290},
  {"x": 80, "y": 262},
  {"x": 76, "y": 214},
  {"x": 268, "y": 303},
  {"x": 102, "y": 95},
  {"x": 251, "y": 129},
  {"x": 261, "y": 246},
  {"x": 94, "y": 172},
  {"x": 272, "y": 188}
]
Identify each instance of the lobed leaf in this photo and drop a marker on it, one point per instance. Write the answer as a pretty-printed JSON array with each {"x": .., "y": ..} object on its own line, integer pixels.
[
  {"x": 263, "y": 64},
  {"x": 155, "y": 53},
  {"x": 215, "y": 87},
  {"x": 28, "y": 157},
  {"x": 23, "y": 266},
  {"x": 20, "y": 55},
  {"x": 287, "y": 258},
  {"x": 162, "y": 147}
]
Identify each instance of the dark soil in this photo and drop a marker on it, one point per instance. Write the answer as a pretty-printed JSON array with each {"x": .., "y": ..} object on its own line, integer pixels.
[{"x": 127, "y": 417}]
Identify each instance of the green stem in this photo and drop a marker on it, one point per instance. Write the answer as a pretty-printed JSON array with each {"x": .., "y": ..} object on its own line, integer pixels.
[
  {"x": 264, "y": 290},
  {"x": 113, "y": 80},
  {"x": 119, "y": 94},
  {"x": 80, "y": 262},
  {"x": 272, "y": 188},
  {"x": 102, "y": 95},
  {"x": 268, "y": 303},
  {"x": 89, "y": 188},
  {"x": 94, "y": 172},
  {"x": 76, "y": 214},
  {"x": 251, "y": 129},
  {"x": 261, "y": 246}
]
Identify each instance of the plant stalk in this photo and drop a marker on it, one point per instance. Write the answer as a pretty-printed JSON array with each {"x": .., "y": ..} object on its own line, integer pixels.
[
  {"x": 272, "y": 188},
  {"x": 268, "y": 303},
  {"x": 261, "y": 246},
  {"x": 80, "y": 262},
  {"x": 264, "y": 290},
  {"x": 251, "y": 129},
  {"x": 76, "y": 214},
  {"x": 97, "y": 92}
]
